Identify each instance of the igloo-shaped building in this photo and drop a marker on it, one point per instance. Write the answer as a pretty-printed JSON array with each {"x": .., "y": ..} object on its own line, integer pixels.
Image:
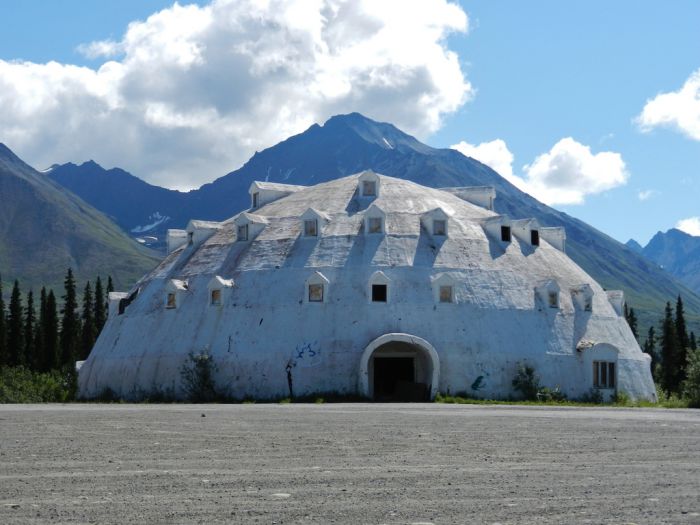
[{"x": 368, "y": 285}]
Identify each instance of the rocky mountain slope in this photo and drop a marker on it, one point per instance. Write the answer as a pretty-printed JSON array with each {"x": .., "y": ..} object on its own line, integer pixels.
[
  {"x": 676, "y": 252},
  {"x": 347, "y": 144},
  {"x": 44, "y": 229}
]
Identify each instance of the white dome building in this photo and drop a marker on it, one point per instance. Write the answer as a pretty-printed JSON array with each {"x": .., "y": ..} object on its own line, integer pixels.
[{"x": 368, "y": 285}]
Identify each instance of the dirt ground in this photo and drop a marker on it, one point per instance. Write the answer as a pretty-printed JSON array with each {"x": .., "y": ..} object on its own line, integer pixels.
[{"x": 347, "y": 463}]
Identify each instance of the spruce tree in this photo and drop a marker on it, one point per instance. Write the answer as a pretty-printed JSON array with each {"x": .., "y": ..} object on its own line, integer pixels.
[
  {"x": 632, "y": 321},
  {"x": 670, "y": 364},
  {"x": 650, "y": 347},
  {"x": 100, "y": 306},
  {"x": 88, "y": 323},
  {"x": 692, "y": 343},
  {"x": 29, "y": 333},
  {"x": 683, "y": 340},
  {"x": 3, "y": 330},
  {"x": 70, "y": 324},
  {"x": 15, "y": 328},
  {"x": 40, "y": 353},
  {"x": 50, "y": 333},
  {"x": 110, "y": 289}
]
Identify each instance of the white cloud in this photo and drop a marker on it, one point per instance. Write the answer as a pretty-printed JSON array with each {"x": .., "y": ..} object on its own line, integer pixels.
[
  {"x": 563, "y": 175},
  {"x": 691, "y": 226},
  {"x": 644, "y": 195},
  {"x": 678, "y": 109},
  {"x": 494, "y": 154},
  {"x": 196, "y": 90}
]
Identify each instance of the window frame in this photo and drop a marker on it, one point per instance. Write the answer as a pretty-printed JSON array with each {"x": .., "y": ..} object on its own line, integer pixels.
[
  {"x": 240, "y": 237},
  {"x": 369, "y": 184},
  {"x": 315, "y": 227},
  {"x": 256, "y": 199},
  {"x": 506, "y": 233},
  {"x": 218, "y": 300},
  {"x": 171, "y": 301},
  {"x": 553, "y": 299},
  {"x": 604, "y": 375},
  {"x": 450, "y": 291},
  {"x": 443, "y": 222},
  {"x": 317, "y": 286},
  {"x": 379, "y": 221},
  {"x": 535, "y": 237}
]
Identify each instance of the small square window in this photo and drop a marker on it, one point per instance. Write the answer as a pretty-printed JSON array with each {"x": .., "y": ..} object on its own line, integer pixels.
[
  {"x": 553, "y": 300},
  {"x": 171, "y": 301},
  {"x": 374, "y": 225},
  {"x": 369, "y": 188},
  {"x": 446, "y": 294},
  {"x": 439, "y": 227},
  {"x": 505, "y": 234},
  {"x": 534, "y": 237},
  {"x": 242, "y": 232},
  {"x": 379, "y": 293},
  {"x": 316, "y": 293},
  {"x": 216, "y": 297},
  {"x": 311, "y": 228},
  {"x": 256, "y": 199}
]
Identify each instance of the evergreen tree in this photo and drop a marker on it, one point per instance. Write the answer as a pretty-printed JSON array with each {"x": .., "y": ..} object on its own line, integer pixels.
[
  {"x": 683, "y": 340},
  {"x": 3, "y": 330},
  {"x": 110, "y": 289},
  {"x": 692, "y": 343},
  {"x": 88, "y": 323},
  {"x": 670, "y": 365},
  {"x": 632, "y": 321},
  {"x": 50, "y": 333},
  {"x": 15, "y": 328},
  {"x": 29, "y": 333},
  {"x": 39, "y": 351},
  {"x": 70, "y": 324},
  {"x": 650, "y": 347},
  {"x": 100, "y": 306}
]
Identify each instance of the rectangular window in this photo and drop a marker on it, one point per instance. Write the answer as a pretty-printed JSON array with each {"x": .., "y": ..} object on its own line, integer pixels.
[
  {"x": 171, "y": 302},
  {"x": 215, "y": 297},
  {"x": 242, "y": 234},
  {"x": 369, "y": 188},
  {"x": 256, "y": 199},
  {"x": 553, "y": 300},
  {"x": 316, "y": 293},
  {"x": 439, "y": 227},
  {"x": 534, "y": 237},
  {"x": 374, "y": 225},
  {"x": 588, "y": 305},
  {"x": 311, "y": 228},
  {"x": 379, "y": 293},
  {"x": 446, "y": 294},
  {"x": 505, "y": 233},
  {"x": 190, "y": 238},
  {"x": 603, "y": 374}
]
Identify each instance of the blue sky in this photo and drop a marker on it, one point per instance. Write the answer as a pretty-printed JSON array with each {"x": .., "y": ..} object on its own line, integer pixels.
[{"x": 533, "y": 73}]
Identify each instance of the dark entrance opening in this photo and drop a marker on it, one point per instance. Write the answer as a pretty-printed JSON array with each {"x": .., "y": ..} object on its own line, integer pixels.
[
  {"x": 379, "y": 293},
  {"x": 395, "y": 380}
]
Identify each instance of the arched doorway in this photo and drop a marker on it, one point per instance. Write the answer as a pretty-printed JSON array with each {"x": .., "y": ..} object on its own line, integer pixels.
[{"x": 399, "y": 367}]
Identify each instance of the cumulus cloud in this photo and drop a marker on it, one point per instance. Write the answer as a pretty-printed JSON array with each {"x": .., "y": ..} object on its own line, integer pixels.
[
  {"x": 691, "y": 226},
  {"x": 677, "y": 109},
  {"x": 563, "y": 175},
  {"x": 195, "y": 90},
  {"x": 495, "y": 154}
]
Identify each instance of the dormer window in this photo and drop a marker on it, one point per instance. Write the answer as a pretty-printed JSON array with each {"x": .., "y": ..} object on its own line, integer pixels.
[
  {"x": 215, "y": 297},
  {"x": 256, "y": 199},
  {"x": 173, "y": 289},
  {"x": 311, "y": 228},
  {"x": 446, "y": 294},
  {"x": 582, "y": 296},
  {"x": 535, "y": 237},
  {"x": 368, "y": 184},
  {"x": 505, "y": 234},
  {"x": 440, "y": 227},
  {"x": 379, "y": 288},
  {"x": 218, "y": 288},
  {"x": 242, "y": 232},
  {"x": 315, "y": 293},
  {"x": 553, "y": 299},
  {"x": 547, "y": 295},
  {"x": 171, "y": 301},
  {"x": 369, "y": 188},
  {"x": 316, "y": 288},
  {"x": 374, "y": 225}
]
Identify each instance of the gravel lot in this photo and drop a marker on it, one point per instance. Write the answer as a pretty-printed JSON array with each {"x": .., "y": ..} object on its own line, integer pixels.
[{"x": 347, "y": 463}]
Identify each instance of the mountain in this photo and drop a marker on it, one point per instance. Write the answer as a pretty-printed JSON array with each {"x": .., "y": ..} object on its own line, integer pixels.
[
  {"x": 678, "y": 253},
  {"x": 347, "y": 144},
  {"x": 44, "y": 229},
  {"x": 634, "y": 246}
]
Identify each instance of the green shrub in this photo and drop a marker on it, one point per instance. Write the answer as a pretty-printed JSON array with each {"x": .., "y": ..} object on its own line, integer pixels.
[
  {"x": 551, "y": 394},
  {"x": 198, "y": 378},
  {"x": 594, "y": 396},
  {"x": 526, "y": 382},
  {"x": 691, "y": 385},
  {"x": 20, "y": 385}
]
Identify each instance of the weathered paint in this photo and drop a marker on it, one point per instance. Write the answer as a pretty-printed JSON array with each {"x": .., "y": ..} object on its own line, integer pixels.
[{"x": 496, "y": 321}]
